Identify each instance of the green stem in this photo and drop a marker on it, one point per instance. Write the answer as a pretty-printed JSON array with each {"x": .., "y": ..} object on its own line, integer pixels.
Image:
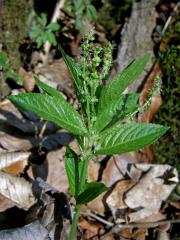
[{"x": 73, "y": 232}]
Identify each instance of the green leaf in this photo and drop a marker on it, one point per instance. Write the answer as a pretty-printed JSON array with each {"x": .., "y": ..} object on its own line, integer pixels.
[
  {"x": 111, "y": 93},
  {"x": 51, "y": 91},
  {"x": 128, "y": 137},
  {"x": 42, "y": 19},
  {"x": 51, "y": 38},
  {"x": 73, "y": 166},
  {"x": 92, "y": 190},
  {"x": 34, "y": 33},
  {"x": 91, "y": 12},
  {"x": 79, "y": 25},
  {"x": 73, "y": 69},
  {"x": 53, "y": 26},
  {"x": 39, "y": 41},
  {"x": 126, "y": 104},
  {"x": 52, "y": 109}
]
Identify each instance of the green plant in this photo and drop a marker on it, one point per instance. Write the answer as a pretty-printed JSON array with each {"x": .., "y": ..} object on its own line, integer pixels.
[
  {"x": 103, "y": 125},
  {"x": 6, "y": 69},
  {"x": 42, "y": 32},
  {"x": 81, "y": 10}
]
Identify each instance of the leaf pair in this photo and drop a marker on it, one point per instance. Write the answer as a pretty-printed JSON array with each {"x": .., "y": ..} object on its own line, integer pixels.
[{"x": 83, "y": 194}]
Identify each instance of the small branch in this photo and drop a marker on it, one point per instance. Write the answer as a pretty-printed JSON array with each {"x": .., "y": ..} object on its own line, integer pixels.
[
  {"x": 170, "y": 18},
  {"x": 119, "y": 227},
  {"x": 98, "y": 218}
]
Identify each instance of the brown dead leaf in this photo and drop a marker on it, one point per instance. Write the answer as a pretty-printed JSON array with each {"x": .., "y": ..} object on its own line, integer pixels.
[
  {"x": 17, "y": 189},
  {"x": 116, "y": 167},
  {"x": 52, "y": 170},
  {"x": 29, "y": 82},
  {"x": 14, "y": 163},
  {"x": 115, "y": 200},
  {"x": 90, "y": 229},
  {"x": 13, "y": 144},
  {"x": 152, "y": 189}
]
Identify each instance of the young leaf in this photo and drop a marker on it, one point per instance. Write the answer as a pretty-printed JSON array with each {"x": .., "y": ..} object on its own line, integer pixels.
[
  {"x": 53, "y": 26},
  {"x": 73, "y": 69},
  {"x": 51, "y": 91},
  {"x": 52, "y": 109},
  {"x": 126, "y": 104},
  {"x": 111, "y": 93},
  {"x": 128, "y": 137},
  {"x": 92, "y": 190},
  {"x": 73, "y": 166}
]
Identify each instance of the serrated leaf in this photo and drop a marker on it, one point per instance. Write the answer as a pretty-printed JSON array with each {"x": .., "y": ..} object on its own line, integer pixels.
[
  {"x": 111, "y": 93},
  {"x": 92, "y": 190},
  {"x": 52, "y": 109},
  {"x": 126, "y": 104},
  {"x": 51, "y": 91},
  {"x": 73, "y": 166},
  {"x": 53, "y": 26},
  {"x": 73, "y": 69},
  {"x": 128, "y": 137}
]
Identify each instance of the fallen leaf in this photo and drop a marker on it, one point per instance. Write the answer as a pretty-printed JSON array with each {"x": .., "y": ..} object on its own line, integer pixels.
[
  {"x": 32, "y": 231},
  {"x": 115, "y": 200},
  {"x": 116, "y": 168},
  {"x": 149, "y": 193},
  {"x": 14, "y": 163},
  {"x": 12, "y": 143},
  {"x": 17, "y": 189}
]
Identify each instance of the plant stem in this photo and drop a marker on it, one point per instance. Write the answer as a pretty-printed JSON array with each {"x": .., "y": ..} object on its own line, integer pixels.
[{"x": 73, "y": 232}]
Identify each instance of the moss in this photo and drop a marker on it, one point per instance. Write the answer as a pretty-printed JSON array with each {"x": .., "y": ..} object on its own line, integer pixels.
[
  {"x": 167, "y": 150},
  {"x": 13, "y": 27}
]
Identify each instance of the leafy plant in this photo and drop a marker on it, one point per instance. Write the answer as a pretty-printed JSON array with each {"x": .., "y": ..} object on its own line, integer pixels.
[
  {"x": 5, "y": 67},
  {"x": 103, "y": 126},
  {"x": 81, "y": 10},
  {"x": 43, "y": 32}
]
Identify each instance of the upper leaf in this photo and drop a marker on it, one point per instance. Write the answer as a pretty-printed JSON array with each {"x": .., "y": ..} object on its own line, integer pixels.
[
  {"x": 73, "y": 167},
  {"x": 92, "y": 190},
  {"x": 128, "y": 137},
  {"x": 118, "y": 110},
  {"x": 52, "y": 109},
  {"x": 51, "y": 91},
  {"x": 111, "y": 93},
  {"x": 73, "y": 68}
]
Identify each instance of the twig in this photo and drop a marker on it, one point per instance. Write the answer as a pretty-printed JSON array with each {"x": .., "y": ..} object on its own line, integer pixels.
[
  {"x": 119, "y": 227},
  {"x": 55, "y": 17},
  {"x": 170, "y": 18},
  {"x": 98, "y": 218}
]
